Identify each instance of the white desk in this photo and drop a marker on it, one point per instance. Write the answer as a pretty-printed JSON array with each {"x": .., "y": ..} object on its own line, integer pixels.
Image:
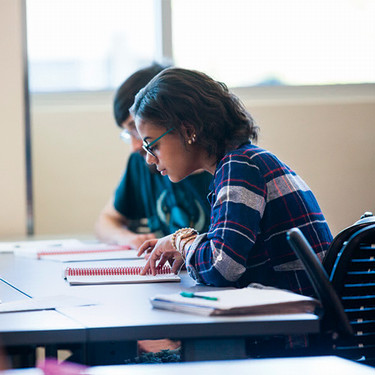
[
  {"x": 279, "y": 366},
  {"x": 124, "y": 315}
]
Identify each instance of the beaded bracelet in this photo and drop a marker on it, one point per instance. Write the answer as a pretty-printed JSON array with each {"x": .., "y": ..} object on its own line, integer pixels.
[
  {"x": 187, "y": 240},
  {"x": 182, "y": 234}
]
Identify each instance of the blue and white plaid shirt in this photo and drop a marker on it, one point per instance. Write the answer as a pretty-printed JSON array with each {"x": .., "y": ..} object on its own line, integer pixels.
[{"x": 255, "y": 200}]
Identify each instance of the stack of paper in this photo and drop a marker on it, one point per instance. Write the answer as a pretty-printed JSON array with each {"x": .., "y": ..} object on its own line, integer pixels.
[{"x": 244, "y": 301}]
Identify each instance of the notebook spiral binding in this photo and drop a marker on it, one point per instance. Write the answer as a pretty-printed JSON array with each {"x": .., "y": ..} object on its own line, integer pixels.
[{"x": 110, "y": 271}]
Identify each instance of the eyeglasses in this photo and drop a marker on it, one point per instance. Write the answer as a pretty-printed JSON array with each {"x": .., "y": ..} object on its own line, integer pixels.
[
  {"x": 126, "y": 135},
  {"x": 148, "y": 146}
]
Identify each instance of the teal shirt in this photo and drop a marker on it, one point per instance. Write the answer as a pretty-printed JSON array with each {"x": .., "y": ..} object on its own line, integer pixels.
[{"x": 167, "y": 206}]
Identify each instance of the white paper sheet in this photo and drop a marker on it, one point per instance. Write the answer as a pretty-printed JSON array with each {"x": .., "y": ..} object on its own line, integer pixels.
[
  {"x": 10, "y": 247},
  {"x": 77, "y": 251},
  {"x": 44, "y": 303}
]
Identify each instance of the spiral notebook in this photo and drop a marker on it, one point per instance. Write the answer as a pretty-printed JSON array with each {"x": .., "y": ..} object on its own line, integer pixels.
[
  {"x": 78, "y": 252},
  {"x": 117, "y": 274}
]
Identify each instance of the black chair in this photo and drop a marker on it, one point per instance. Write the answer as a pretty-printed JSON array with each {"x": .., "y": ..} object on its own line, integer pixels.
[
  {"x": 335, "y": 320},
  {"x": 347, "y": 294},
  {"x": 329, "y": 260}
]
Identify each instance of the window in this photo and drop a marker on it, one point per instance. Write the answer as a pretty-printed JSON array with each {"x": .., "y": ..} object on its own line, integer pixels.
[
  {"x": 86, "y": 44},
  {"x": 271, "y": 42},
  {"x": 95, "y": 45}
]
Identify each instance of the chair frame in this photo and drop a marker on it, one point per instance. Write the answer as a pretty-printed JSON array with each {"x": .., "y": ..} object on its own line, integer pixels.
[
  {"x": 338, "y": 242},
  {"x": 352, "y": 338},
  {"x": 335, "y": 319},
  {"x": 345, "y": 256}
]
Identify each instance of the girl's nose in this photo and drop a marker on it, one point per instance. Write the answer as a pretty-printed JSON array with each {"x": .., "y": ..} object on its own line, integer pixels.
[{"x": 150, "y": 159}]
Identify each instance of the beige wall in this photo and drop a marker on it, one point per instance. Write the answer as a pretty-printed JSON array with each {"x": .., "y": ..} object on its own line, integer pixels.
[
  {"x": 78, "y": 157},
  {"x": 12, "y": 154},
  {"x": 331, "y": 147}
]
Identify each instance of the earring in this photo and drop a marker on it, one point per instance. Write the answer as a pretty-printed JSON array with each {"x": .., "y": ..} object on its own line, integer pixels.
[{"x": 192, "y": 139}]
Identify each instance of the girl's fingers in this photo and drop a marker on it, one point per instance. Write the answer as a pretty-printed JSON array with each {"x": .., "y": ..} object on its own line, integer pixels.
[
  {"x": 162, "y": 261},
  {"x": 145, "y": 268},
  {"x": 154, "y": 257},
  {"x": 157, "y": 259},
  {"x": 149, "y": 244},
  {"x": 142, "y": 249},
  {"x": 177, "y": 264},
  {"x": 150, "y": 264}
]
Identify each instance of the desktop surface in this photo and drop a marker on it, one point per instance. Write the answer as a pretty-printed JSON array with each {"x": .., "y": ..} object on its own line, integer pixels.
[{"x": 123, "y": 313}]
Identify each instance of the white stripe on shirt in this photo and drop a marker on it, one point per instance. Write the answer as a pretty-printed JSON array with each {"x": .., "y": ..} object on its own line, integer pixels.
[
  {"x": 239, "y": 194},
  {"x": 283, "y": 185}
]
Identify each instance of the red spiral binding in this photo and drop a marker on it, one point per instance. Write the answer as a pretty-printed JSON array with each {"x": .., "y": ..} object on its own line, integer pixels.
[{"x": 114, "y": 271}]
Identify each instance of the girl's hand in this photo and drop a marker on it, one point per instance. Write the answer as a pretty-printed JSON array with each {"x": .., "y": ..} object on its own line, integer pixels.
[
  {"x": 160, "y": 250},
  {"x": 136, "y": 240}
]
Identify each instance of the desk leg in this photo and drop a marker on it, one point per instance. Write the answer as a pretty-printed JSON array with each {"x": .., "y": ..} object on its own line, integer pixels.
[
  {"x": 21, "y": 357},
  {"x": 110, "y": 353},
  {"x": 213, "y": 349},
  {"x": 51, "y": 351}
]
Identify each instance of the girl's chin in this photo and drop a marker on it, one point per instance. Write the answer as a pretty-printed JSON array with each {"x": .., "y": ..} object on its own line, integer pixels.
[
  {"x": 177, "y": 177},
  {"x": 173, "y": 179}
]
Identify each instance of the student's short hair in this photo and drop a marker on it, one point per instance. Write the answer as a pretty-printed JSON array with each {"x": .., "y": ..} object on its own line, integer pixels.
[
  {"x": 125, "y": 94},
  {"x": 178, "y": 97}
]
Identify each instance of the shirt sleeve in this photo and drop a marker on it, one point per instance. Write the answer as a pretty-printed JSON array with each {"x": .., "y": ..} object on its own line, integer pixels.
[{"x": 219, "y": 257}]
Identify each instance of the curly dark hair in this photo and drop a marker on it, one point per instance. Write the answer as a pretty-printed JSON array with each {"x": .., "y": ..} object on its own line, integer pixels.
[
  {"x": 179, "y": 97},
  {"x": 125, "y": 94}
]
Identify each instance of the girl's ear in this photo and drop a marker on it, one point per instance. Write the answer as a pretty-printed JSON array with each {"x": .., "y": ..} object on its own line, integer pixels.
[{"x": 188, "y": 132}]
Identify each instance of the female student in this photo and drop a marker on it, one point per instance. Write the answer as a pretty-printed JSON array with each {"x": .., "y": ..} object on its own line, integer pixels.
[{"x": 188, "y": 122}]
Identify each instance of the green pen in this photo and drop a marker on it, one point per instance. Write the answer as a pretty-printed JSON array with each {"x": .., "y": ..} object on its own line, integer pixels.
[{"x": 192, "y": 295}]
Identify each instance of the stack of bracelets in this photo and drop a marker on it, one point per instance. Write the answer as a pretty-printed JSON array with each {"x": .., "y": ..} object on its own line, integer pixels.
[{"x": 186, "y": 234}]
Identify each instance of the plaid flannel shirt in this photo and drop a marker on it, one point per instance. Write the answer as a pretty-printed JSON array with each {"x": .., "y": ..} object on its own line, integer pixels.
[{"x": 255, "y": 200}]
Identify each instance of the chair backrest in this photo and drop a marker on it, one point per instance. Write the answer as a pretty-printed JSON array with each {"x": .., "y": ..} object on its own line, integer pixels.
[
  {"x": 347, "y": 293},
  {"x": 353, "y": 277},
  {"x": 335, "y": 319},
  {"x": 329, "y": 260}
]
